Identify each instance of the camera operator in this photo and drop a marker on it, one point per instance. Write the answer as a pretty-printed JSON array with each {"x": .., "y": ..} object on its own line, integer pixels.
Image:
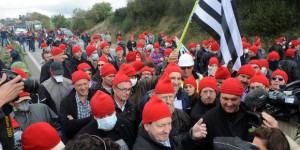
[{"x": 8, "y": 92}]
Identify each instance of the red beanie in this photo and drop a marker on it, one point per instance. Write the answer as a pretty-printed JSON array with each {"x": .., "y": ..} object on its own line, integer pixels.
[
  {"x": 119, "y": 78},
  {"x": 142, "y": 37},
  {"x": 273, "y": 56},
  {"x": 260, "y": 79},
  {"x": 146, "y": 68},
  {"x": 208, "y": 82},
  {"x": 118, "y": 48},
  {"x": 257, "y": 43},
  {"x": 103, "y": 45},
  {"x": 156, "y": 45},
  {"x": 192, "y": 45},
  {"x": 256, "y": 62},
  {"x": 138, "y": 65},
  {"x": 76, "y": 49},
  {"x": 62, "y": 46},
  {"x": 213, "y": 60},
  {"x": 281, "y": 39},
  {"x": 214, "y": 46},
  {"x": 290, "y": 52},
  {"x": 44, "y": 44},
  {"x": 78, "y": 75},
  {"x": 92, "y": 42},
  {"x": 164, "y": 85},
  {"x": 264, "y": 63},
  {"x": 155, "y": 109},
  {"x": 95, "y": 36},
  {"x": 140, "y": 44},
  {"x": 83, "y": 66},
  {"x": 90, "y": 49},
  {"x": 56, "y": 51},
  {"x": 103, "y": 58},
  {"x": 41, "y": 136},
  {"x": 190, "y": 80},
  {"x": 14, "y": 123},
  {"x": 19, "y": 72},
  {"x": 246, "y": 45},
  {"x": 247, "y": 70},
  {"x": 244, "y": 39},
  {"x": 222, "y": 73},
  {"x": 205, "y": 42},
  {"x": 102, "y": 104},
  {"x": 127, "y": 70},
  {"x": 119, "y": 38},
  {"x": 130, "y": 57},
  {"x": 254, "y": 49},
  {"x": 172, "y": 67},
  {"x": 294, "y": 43},
  {"x": 9, "y": 47},
  {"x": 279, "y": 72},
  {"x": 169, "y": 41},
  {"x": 232, "y": 86},
  {"x": 168, "y": 51},
  {"x": 108, "y": 69},
  {"x": 257, "y": 38}
]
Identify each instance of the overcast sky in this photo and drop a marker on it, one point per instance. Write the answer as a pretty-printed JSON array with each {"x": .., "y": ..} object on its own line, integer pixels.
[{"x": 14, "y": 8}]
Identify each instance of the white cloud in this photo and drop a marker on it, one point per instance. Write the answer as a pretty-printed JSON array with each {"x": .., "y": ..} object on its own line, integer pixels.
[{"x": 14, "y": 8}]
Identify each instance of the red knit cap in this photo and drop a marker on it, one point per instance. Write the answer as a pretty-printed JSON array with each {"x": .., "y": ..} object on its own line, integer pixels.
[
  {"x": 130, "y": 57},
  {"x": 246, "y": 45},
  {"x": 279, "y": 72},
  {"x": 9, "y": 47},
  {"x": 19, "y": 72},
  {"x": 205, "y": 42},
  {"x": 83, "y": 66},
  {"x": 172, "y": 67},
  {"x": 208, "y": 82},
  {"x": 281, "y": 39},
  {"x": 138, "y": 65},
  {"x": 168, "y": 51},
  {"x": 256, "y": 62},
  {"x": 118, "y": 48},
  {"x": 214, "y": 46},
  {"x": 33, "y": 136},
  {"x": 257, "y": 38},
  {"x": 257, "y": 43},
  {"x": 254, "y": 49},
  {"x": 103, "y": 45},
  {"x": 62, "y": 46},
  {"x": 92, "y": 42},
  {"x": 108, "y": 69},
  {"x": 44, "y": 44},
  {"x": 127, "y": 70},
  {"x": 222, "y": 73},
  {"x": 146, "y": 68},
  {"x": 119, "y": 78},
  {"x": 169, "y": 41},
  {"x": 90, "y": 49},
  {"x": 78, "y": 75},
  {"x": 76, "y": 49},
  {"x": 142, "y": 37},
  {"x": 190, "y": 80},
  {"x": 103, "y": 58},
  {"x": 260, "y": 79},
  {"x": 273, "y": 56},
  {"x": 14, "y": 123},
  {"x": 119, "y": 38},
  {"x": 102, "y": 104},
  {"x": 244, "y": 39},
  {"x": 192, "y": 45},
  {"x": 164, "y": 85},
  {"x": 264, "y": 63},
  {"x": 213, "y": 60},
  {"x": 247, "y": 70},
  {"x": 294, "y": 43},
  {"x": 156, "y": 45},
  {"x": 95, "y": 36},
  {"x": 155, "y": 109},
  {"x": 232, "y": 86},
  {"x": 290, "y": 52},
  {"x": 56, "y": 51},
  {"x": 140, "y": 44}
]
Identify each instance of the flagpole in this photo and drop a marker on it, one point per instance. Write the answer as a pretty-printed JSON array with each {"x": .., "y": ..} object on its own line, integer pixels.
[{"x": 186, "y": 26}]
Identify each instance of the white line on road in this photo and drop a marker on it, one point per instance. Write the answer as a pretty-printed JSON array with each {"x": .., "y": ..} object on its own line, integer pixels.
[{"x": 35, "y": 62}]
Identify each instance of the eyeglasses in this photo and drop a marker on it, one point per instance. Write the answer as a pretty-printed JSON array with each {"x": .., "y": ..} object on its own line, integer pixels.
[
  {"x": 124, "y": 89},
  {"x": 99, "y": 65},
  {"x": 183, "y": 68},
  {"x": 208, "y": 91},
  {"x": 276, "y": 77},
  {"x": 86, "y": 69}
]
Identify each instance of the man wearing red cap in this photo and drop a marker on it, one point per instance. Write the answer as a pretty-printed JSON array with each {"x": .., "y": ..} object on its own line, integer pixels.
[
  {"x": 222, "y": 74},
  {"x": 161, "y": 66},
  {"x": 289, "y": 65},
  {"x": 199, "y": 54},
  {"x": 121, "y": 43},
  {"x": 131, "y": 44},
  {"x": 192, "y": 49},
  {"x": 120, "y": 59},
  {"x": 14, "y": 54},
  {"x": 213, "y": 52},
  {"x": 259, "y": 81},
  {"x": 280, "y": 47},
  {"x": 157, "y": 56},
  {"x": 146, "y": 73},
  {"x": 279, "y": 78},
  {"x": 107, "y": 124},
  {"x": 261, "y": 52},
  {"x": 108, "y": 73},
  {"x": 227, "y": 119},
  {"x": 75, "y": 108},
  {"x": 273, "y": 60},
  {"x": 155, "y": 131},
  {"x": 78, "y": 58},
  {"x": 244, "y": 74},
  {"x": 105, "y": 51}
]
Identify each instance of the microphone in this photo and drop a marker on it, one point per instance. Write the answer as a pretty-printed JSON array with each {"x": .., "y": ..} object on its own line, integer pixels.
[{"x": 256, "y": 98}]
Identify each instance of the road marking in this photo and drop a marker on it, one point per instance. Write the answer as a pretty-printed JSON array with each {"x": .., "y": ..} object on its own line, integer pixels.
[{"x": 35, "y": 62}]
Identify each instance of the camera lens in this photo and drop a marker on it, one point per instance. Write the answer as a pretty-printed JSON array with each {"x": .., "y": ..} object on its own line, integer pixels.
[{"x": 31, "y": 85}]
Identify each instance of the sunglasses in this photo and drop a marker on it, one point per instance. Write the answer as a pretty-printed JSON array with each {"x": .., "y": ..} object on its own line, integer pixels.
[
  {"x": 100, "y": 65},
  {"x": 184, "y": 68},
  {"x": 279, "y": 78}
]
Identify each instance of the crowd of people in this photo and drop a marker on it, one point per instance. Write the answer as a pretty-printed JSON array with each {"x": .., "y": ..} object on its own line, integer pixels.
[{"x": 148, "y": 96}]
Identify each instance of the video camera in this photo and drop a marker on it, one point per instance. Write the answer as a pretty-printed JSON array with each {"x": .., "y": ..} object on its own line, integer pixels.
[
  {"x": 282, "y": 104},
  {"x": 30, "y": 85}
]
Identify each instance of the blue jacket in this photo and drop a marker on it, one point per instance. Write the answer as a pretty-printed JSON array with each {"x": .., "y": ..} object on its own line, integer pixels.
[{"x": 14, "y": 54}]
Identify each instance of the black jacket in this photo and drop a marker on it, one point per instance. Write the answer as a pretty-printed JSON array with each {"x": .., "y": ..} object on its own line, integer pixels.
[
  {"x": 75, "y": 62},
  {"x": 122, "y": 130},
  {"x": 180, "y": 123},
  {"x": 290, "y": 67},
  {"x": 205, "y": 59},
  {"x": 130, "y": 45},
  {"x": 199, "y": 109},
  {"x": 129, "y": 113},
  {"x": 45, "y": 71},
  {"x": 68, "y": 106}
]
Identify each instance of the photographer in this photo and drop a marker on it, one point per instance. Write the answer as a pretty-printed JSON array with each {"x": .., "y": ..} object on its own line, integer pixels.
[{"x": 8, "y": 92}]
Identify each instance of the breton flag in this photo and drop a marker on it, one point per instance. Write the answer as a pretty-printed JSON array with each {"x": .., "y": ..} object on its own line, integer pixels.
[
  {"x": 182, "y": 48},
  {"x": 217, "y": 18}
]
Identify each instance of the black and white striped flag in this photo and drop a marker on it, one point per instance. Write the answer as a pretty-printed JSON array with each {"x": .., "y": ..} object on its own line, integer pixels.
[{"x": 217, "y": 18}]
